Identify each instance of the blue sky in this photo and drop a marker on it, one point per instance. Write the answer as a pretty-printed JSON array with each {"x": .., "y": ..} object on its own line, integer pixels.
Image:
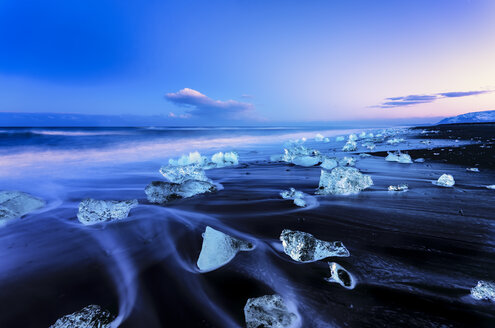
[{"x": 248, "y": 60}]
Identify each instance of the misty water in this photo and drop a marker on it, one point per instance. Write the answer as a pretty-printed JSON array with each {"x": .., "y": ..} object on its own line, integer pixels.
[{"x": 414, "y": 257}]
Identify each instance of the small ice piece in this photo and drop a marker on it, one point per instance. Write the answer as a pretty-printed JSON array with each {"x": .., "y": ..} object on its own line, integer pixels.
[
  {"x": 306, "y": 161},
  {"x": 15, "y": 204},
  {"x": 341, "y": 276},
  {"x": 329, "y": 163},
  {"x": 219, "y": 249},
  {"x": 401, "y": 187},
  {"x": 419, "y": 160},
  {"x": 192, "y": 158},
  {"x": 445, "y": 180},
  {"x": 350, "y": 146},
  {"x": 347, "y": 161},
  {"x": 296, "y": 196},
  {"x": 362, "y": 135},
  {"x": 92, "y": 211},
  {"x": 181, "y": 173},
  {"x": 269, "y": 311},
  {"x": 369, "y": 145},
  {"x": 395, "y": 141},
  {"x": 472, "y": 169},
  {"x": 484, "y": 290},
  {"x": 319, "y": 137},
  {"x": 161, "y": 192},
  {"x": 340, "y": 138},
  {"x": 92, "y": 316},
  {"x": 364, "y": 155},
  {"x": 228, "y": 159},
  {"x": 326, "y": 140},
  {"x": 491, "y": 187},
  {"x": 304, "y": 247},
  {"x": 352, "y": 137},
  {"x": 343, "y": 181},
  {"x": 399, "y": 157}
]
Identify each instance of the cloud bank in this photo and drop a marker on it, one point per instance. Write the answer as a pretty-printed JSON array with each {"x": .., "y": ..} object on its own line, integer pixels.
[
  {"x": 393, "y": 102},
  {"x": 202, "y": 106}
]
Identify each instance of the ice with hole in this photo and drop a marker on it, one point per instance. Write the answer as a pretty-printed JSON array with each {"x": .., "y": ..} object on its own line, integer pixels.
[
  {"x": 219, "y": 249},
  {"x": 304, "y": 247},
  {"x": 341, "y": 276}
]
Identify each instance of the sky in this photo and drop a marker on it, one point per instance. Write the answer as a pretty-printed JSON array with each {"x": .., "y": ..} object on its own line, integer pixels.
[{"x": 248, "y": 60}]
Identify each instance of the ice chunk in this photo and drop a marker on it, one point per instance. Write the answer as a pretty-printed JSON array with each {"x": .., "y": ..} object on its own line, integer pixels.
[
  {"x": 445, "y": 180},
  {"x": 304, "y": 247},
  {"x": 362, "y": 135},
  {"x": 221, "y": 160},
  {"x": 181, "y": 173},
  {"x": 401, "y": 187},
  {"x": 347, "y": 161},
  {"x": 343, "y": 181},
  {"x": 328, "y": 163},
  {"x": 269, "y": 311},
  {"x": 341, "y": 276},
  {"x": 398, "y": 157},
  {"x": 93, "y": 211},
  {"x": 364, "y": 155},
  {"x": 161, "y": 192},
  {"x": 491, "y": 187},
  {"x": 369, "y": 145},
  {"x": 219, "y": 249},
  {"x": 192, "y": 158},
  {"x": 92, "y": 316},
  {"x": 350, "y": 146},
  {"x": 484, "y": 290},
  {"x": 472, "y": 169},
  {"x": 306, "y": 161},
  {"x": 319, "y": 137},
  {"x": 352, "y": 137},
  {"x": 14, "y": 204},
  {"x": 296, "y": 196},
  {"x": 340, "y": 138},
  {"x": 395, "y": 141},
  {"x": 419, "y": 160}
]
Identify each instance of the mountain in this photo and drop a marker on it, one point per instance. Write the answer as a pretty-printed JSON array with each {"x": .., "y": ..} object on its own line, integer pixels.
[{"x": 473, "y": 117}]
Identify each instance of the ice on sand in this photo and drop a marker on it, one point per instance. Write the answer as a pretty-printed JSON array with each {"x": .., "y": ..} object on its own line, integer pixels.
[
  {"x": 445, "y": 180},
  {"x": 304, "y": 247},
  {"x": 161, "y": 192},
  {"x": 15, "y": 204},
  {"x": 343, "y": 181},
  {"x": 269, "y": 311},
  {"x": 219, "y": 249},
  {"x": 92, "y": 211},
  {"x": 92, "y": 316},
  {"x": 484, "y": 290},
  {"x": 296, "y": 196},
  {"x": 399, "y": 157}
]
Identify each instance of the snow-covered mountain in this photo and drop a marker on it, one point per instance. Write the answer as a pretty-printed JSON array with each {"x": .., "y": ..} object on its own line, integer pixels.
[{"x": 474, "y": 117}]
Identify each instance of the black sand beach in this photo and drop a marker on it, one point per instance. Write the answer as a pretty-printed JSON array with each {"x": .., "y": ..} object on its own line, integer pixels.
[{"x": 415, "y": 254}]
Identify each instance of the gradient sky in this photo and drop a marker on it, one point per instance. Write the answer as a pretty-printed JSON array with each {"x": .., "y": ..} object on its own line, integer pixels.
[{"x": 248, "y": 60}]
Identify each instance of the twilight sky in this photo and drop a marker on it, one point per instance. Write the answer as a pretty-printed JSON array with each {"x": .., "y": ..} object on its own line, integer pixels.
[{"x": 248, "y": 60}]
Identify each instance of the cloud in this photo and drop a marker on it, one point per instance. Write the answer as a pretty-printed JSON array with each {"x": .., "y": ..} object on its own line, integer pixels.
[
  {"x": 200, "y": 105},
  {"x": 409, "y": 100}
]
